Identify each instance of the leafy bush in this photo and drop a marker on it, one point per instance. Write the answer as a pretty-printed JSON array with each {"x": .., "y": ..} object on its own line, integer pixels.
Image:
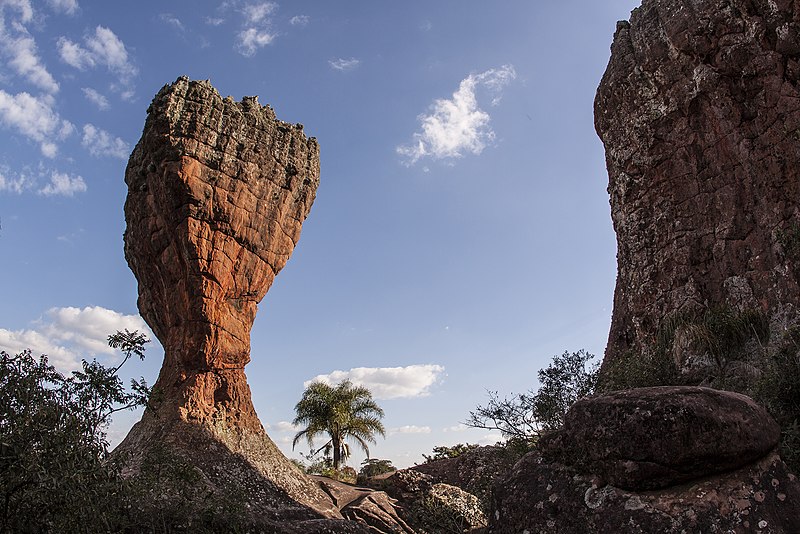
[
  {"x": 523, "y": 417},
  {"x": 55, "y": 475},
  {"x": 443, "y": 451},
  {"x": 373, "y": 467}
]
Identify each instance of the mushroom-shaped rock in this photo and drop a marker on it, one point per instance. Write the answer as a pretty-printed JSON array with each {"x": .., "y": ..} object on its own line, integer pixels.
[
  {"x": 217, "y": 193},
  {"x": 656, "y": 437}
]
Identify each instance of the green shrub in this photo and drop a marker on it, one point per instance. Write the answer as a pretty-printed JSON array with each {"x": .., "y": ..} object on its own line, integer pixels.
[
  {"x": 444, "y": 451},
  {"x": 522, "y": 418},
  {"x": 373, "y": 467}
]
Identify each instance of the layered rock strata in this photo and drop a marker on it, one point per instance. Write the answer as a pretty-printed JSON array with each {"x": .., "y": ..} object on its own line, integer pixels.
[
  {"x": 699, "y": 112},
  {"x": 217, "y": 194}
]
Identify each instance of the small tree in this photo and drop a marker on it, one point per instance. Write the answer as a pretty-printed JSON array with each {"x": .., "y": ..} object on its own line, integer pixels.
[
  {"x": 54, "y": 472},
  {"x": 525, "y": 416},
  {"x": 342, "y": 412}
]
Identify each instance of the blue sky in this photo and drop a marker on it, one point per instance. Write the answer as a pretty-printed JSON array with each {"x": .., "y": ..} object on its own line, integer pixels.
[{"x": 461, "y": 234}]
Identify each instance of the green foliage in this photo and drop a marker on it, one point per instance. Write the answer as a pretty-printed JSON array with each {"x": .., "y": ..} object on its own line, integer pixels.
[
  {"x": 444, "y": 451},
  {"x": 789, "y": 240},
  {"x": 522, "y": 418},
  {"x": 373, "y": 467},
  {"x": 342, "y": 412},
  {"x": 633, "y": 370},
  {"x": 55, "y": 475},
  {"x": 779, "y": 391},
  {"x": 721, "y": 333}
]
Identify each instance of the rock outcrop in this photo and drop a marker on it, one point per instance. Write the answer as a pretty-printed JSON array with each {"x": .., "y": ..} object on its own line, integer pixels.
[
  {"x": 217, "y": 193},
  {"x": 667, "y": 460},
  {"x": 657, "y": 437},
  {"x": 699, "y": 112}
]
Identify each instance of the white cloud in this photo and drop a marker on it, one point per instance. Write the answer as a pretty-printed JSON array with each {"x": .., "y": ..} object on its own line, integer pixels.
[
  {"x": 299, "y": 20},
  {"x": 103, "y": 48},
  {"x": 458, "y": 125},
  {"x": 70, "y": 7},
  {"x": 214, "y": 21},
  {"x": 409, "y": 429},
  {"x": 22, "y": 6},
  {"x": 68, "y": 334},
  {"x": 96, "y": 98},
  {"x": 17, "y": 184},
  {"x": 461, "y": 427},
  {"x": 101, "y": 143},
  {"x": 258, "y": 12},
  {"x": 251, "y": 39},
  {"x": 388, "y": 382},
  {"x": 172, "y": 20},
  {"x": 343, "y": 64},
  {"x": 17, "y": 44},
  {"x": 35, "y": 118},
  {"x": 63, "y": 185},
  {"x": 286, "y": 426}
]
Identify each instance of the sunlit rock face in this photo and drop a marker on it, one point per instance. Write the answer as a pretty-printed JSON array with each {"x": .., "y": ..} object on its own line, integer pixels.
[
  {"x": 217, "y": 194},
  {"x": 699, "y": 112}
]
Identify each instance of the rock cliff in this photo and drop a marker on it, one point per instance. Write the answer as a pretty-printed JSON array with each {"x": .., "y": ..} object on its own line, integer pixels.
[
  {"x": 217, "y": 194},
  {"x": 699, "y": 112}
]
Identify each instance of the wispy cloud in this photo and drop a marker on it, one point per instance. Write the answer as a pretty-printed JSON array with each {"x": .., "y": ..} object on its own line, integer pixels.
[
  {"x": 19, "y": 47},
  {"x": 102, "y": 48},
  {"x": 257, "y": 28},
  {"x": 36, "y": 119},
  {"x": 96, "y": 98},
  {"x": 343, "y": 64},
  {"x": 251, "y": 39},
  {"x": 70, "y": 7},
  {"x": 388, "y": 382},
  {"x": 14, "y": 184},
  {"x": 62, "y": 184},
  {"x": 458, "y": 125},
  {"x": 461, "y": 427},
  {"x": 409, "y": 429},
  {"x": 67, "y": 334},
  {"x": 299, "y": 20},
  {"x": 285, "y": 426},
  {"x": 172, "y": 20},
  {"x": 214, "y": 21},
  {"x": 100, "y": 143}
]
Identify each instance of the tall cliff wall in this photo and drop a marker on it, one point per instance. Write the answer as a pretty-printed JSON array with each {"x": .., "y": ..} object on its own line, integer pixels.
[{"x": 699, "y": 112}]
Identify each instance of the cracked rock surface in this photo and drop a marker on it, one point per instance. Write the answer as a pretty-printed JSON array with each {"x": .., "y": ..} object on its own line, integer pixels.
[
  {"x": 699, "y": 112},
  {"x": 217, "y": 194}
]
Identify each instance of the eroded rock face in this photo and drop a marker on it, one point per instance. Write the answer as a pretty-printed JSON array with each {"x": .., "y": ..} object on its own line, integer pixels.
[
  {"x": 541, "y": 496},
  {"x": 217, "y": 193},
  {"x": 651, "y": 438},
  {"x": 699, "y": 112}
]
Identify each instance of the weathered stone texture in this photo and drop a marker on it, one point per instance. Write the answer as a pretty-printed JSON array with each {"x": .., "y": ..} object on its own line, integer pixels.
[
  {"x": 699, "y": 112},
  {"x": 217, "y": 194},
  {"x": 651, "y": 438},
  {"x": 665, "y": 459}
]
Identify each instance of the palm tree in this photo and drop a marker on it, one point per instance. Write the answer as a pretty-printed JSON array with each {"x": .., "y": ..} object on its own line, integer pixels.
[{"x": 342, "y": 412}]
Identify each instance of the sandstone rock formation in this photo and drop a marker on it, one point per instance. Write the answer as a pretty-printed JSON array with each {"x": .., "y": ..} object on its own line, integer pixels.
[
  {"x": 712, "y": 470},
  {"x": 217, "y": 193},
  {"x": 657, "y": 437},
  {"x": 699, "y": 112}
]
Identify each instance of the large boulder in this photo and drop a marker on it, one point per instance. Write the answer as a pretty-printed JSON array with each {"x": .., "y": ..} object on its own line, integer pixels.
[
  {"x": 474, "y": 471},
  {"x": 656, "y": 437}
]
